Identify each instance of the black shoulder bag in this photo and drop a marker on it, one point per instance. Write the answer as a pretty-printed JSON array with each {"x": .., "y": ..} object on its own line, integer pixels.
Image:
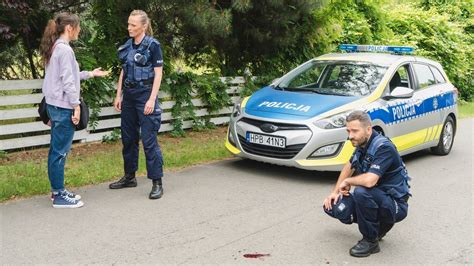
[{"x": 84, "y": 119}]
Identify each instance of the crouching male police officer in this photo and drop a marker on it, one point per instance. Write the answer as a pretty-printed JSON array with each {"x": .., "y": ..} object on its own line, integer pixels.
[{"x": 380, "y": 197}]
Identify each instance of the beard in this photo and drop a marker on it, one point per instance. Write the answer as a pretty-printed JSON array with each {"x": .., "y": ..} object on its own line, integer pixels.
[{"x": 361, "y": 143}]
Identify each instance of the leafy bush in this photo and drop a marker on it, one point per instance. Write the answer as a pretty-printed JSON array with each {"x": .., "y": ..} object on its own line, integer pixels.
[
  {"x": 181, "y": 86},
  {"x": 113, "y": 137},
  {"x": 440, "y": 30},
  {"x": 438, "y": 37}
]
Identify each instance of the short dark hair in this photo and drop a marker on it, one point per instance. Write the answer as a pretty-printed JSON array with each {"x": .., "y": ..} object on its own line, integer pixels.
[{"x": 362, "y": 116}]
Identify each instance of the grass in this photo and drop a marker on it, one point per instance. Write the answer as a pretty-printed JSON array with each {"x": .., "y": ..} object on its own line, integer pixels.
[
  {"x": 466, "y": 109},
  {"x": 24, "y": 173}
]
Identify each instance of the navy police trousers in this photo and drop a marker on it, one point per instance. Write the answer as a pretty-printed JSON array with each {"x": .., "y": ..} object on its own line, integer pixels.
[
  {"x": 134, "y": 122},
  {"x": 368, "y": 207}
]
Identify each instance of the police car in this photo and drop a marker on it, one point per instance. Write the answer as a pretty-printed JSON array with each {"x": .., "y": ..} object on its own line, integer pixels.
[{"x": 299, "y": 120}]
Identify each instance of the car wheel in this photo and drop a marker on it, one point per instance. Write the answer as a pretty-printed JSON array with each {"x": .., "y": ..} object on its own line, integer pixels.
[{"x": 446, "y": 139}]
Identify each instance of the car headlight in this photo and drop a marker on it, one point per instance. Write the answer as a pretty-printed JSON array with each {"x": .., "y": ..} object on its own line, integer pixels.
[
  {"x": 335, "y": 121},
  {"x": 325, "y": 151}
]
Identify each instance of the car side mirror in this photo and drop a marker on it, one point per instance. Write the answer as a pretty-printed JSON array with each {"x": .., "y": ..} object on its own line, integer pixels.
[{"x": 400, "y": 93}]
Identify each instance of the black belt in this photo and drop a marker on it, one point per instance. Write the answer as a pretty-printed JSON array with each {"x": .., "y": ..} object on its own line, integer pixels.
[{"x": 133, "y": 84}]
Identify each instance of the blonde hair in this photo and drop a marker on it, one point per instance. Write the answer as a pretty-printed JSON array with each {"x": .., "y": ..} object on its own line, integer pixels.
[
  {"x": 52, "y": 31},
  {"x": 144, "y": 20}
]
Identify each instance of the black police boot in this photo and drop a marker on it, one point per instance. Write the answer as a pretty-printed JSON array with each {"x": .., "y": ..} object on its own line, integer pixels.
[
  {"x": 156, "y": 190},
  {"x": 128, "y": 180},
  {"x": 365, "y": 247},
  {"x": 383, "y": 230}
]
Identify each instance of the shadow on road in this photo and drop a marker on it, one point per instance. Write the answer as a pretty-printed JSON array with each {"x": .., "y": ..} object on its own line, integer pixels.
[
  {"x": 266, "y": 170},
  {"x": 417, "y": 156}
]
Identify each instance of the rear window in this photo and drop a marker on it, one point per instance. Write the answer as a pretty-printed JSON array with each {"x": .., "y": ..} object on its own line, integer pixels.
[
  {"x": 424, "y": 75},
  {"x": 438, "y": 76}
]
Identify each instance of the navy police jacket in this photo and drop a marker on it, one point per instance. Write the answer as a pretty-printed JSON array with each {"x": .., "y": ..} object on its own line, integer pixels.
[
  {"x": 381, "y": 157},
  {"x": 137, "y": 63}
]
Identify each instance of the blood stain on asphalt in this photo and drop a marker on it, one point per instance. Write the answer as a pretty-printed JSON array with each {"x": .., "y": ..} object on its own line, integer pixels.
[{"x": 255, "y": 256}]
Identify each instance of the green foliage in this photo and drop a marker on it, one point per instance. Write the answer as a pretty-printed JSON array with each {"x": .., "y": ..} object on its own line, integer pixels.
[
  {"x": 110, "y": 18},
  {"x": 178, "y": 84},
  {"x": 224, "y": 36},
  {"x": 252, "y": 83},
  {"x": 267, "y": 37},
  {"x": 439, "y": 37},
  {"x": 114, "y": 136},
  {"x": 181, "y": 86},
  {"x": 3, "y": 154},
  {"x": 21, "y": 26},
  {"x": 349, "y": 21},
  {"x": 212, "y": 91},
  {"x": 440, "y": 30},
  {"x": 97, "y": 92}
]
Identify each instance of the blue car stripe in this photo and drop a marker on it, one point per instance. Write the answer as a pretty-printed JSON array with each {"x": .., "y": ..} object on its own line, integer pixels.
[{"x": 401, "y": 112}]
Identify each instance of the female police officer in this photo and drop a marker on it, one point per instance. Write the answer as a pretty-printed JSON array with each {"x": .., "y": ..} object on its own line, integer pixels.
[{"x": 137, "y": 92}]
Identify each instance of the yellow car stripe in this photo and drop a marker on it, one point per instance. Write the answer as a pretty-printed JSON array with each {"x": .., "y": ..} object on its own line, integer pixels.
[
  {"x": 429, "y": 134},
  {"x": 401, "y": 143},
  {"x": 438, "y": 131},
  {"x": 244, "y": 102},
  {"x": 433, "y": 133},
  {"x": 342, "y": 158},
  {"x": 410, "y": 140},
  {"x": 231, "y": 147}
]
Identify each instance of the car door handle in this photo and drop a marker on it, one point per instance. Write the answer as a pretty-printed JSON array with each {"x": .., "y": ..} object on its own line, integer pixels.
[{"x": 418, "y": 102}]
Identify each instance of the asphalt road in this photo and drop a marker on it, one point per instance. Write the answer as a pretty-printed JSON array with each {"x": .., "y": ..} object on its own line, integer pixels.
[{"x": 219, "y": 212}]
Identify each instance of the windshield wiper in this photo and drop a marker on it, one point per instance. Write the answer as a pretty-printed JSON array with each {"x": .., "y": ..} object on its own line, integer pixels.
[{"x": 298, "y": 89}]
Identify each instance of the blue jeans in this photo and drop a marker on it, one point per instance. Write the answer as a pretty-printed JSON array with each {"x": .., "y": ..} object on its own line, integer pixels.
[
  {"x": 62, "y": 133},
  {"x": 133, "y": 124}
]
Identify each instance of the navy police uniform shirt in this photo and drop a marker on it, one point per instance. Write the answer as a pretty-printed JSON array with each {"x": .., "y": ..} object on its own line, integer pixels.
[
  {"x": 386, "y": 158},
  {"x": 155, "y": 51}
]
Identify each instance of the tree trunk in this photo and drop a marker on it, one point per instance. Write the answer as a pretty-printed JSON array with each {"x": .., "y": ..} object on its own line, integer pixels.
[{"x": 29, "y": 52}]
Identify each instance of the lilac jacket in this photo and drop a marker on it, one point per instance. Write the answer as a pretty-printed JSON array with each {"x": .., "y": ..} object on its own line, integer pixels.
[{"x": 61, "y": 85}]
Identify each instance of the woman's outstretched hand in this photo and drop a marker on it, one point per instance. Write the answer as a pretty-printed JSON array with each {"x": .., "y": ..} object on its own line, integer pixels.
[{"x": 98, "y": 72}]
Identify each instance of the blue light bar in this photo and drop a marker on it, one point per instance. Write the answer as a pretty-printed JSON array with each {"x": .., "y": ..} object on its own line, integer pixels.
[{"x": 375, "y": 48}]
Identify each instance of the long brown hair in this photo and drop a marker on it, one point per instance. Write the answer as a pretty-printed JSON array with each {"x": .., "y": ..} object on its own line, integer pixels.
[
  {"x": 52, "y": 32},
  {"x": 144, "y": 20}
]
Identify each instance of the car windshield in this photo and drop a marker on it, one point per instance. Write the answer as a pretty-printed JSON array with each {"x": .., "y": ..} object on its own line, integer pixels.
[{"x": 334, "y": 78}]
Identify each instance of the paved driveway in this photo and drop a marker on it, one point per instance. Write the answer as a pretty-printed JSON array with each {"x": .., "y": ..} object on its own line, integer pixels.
[{"x": 219, "y": 212}]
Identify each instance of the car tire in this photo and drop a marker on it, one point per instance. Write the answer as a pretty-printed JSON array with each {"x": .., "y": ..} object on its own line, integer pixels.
[{"x": 446, "y": 139}]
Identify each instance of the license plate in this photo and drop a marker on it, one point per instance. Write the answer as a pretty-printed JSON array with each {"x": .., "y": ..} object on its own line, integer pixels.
[{"x": 267, "y": 140}]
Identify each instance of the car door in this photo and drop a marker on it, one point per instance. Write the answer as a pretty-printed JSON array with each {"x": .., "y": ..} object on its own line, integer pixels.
[
  {"x": 405, "y": 123},
  {"x": 429, "y": 91}
]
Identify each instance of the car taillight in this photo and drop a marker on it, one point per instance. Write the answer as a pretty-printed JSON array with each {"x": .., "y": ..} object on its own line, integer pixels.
[{"x": 456, "y": 92}]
